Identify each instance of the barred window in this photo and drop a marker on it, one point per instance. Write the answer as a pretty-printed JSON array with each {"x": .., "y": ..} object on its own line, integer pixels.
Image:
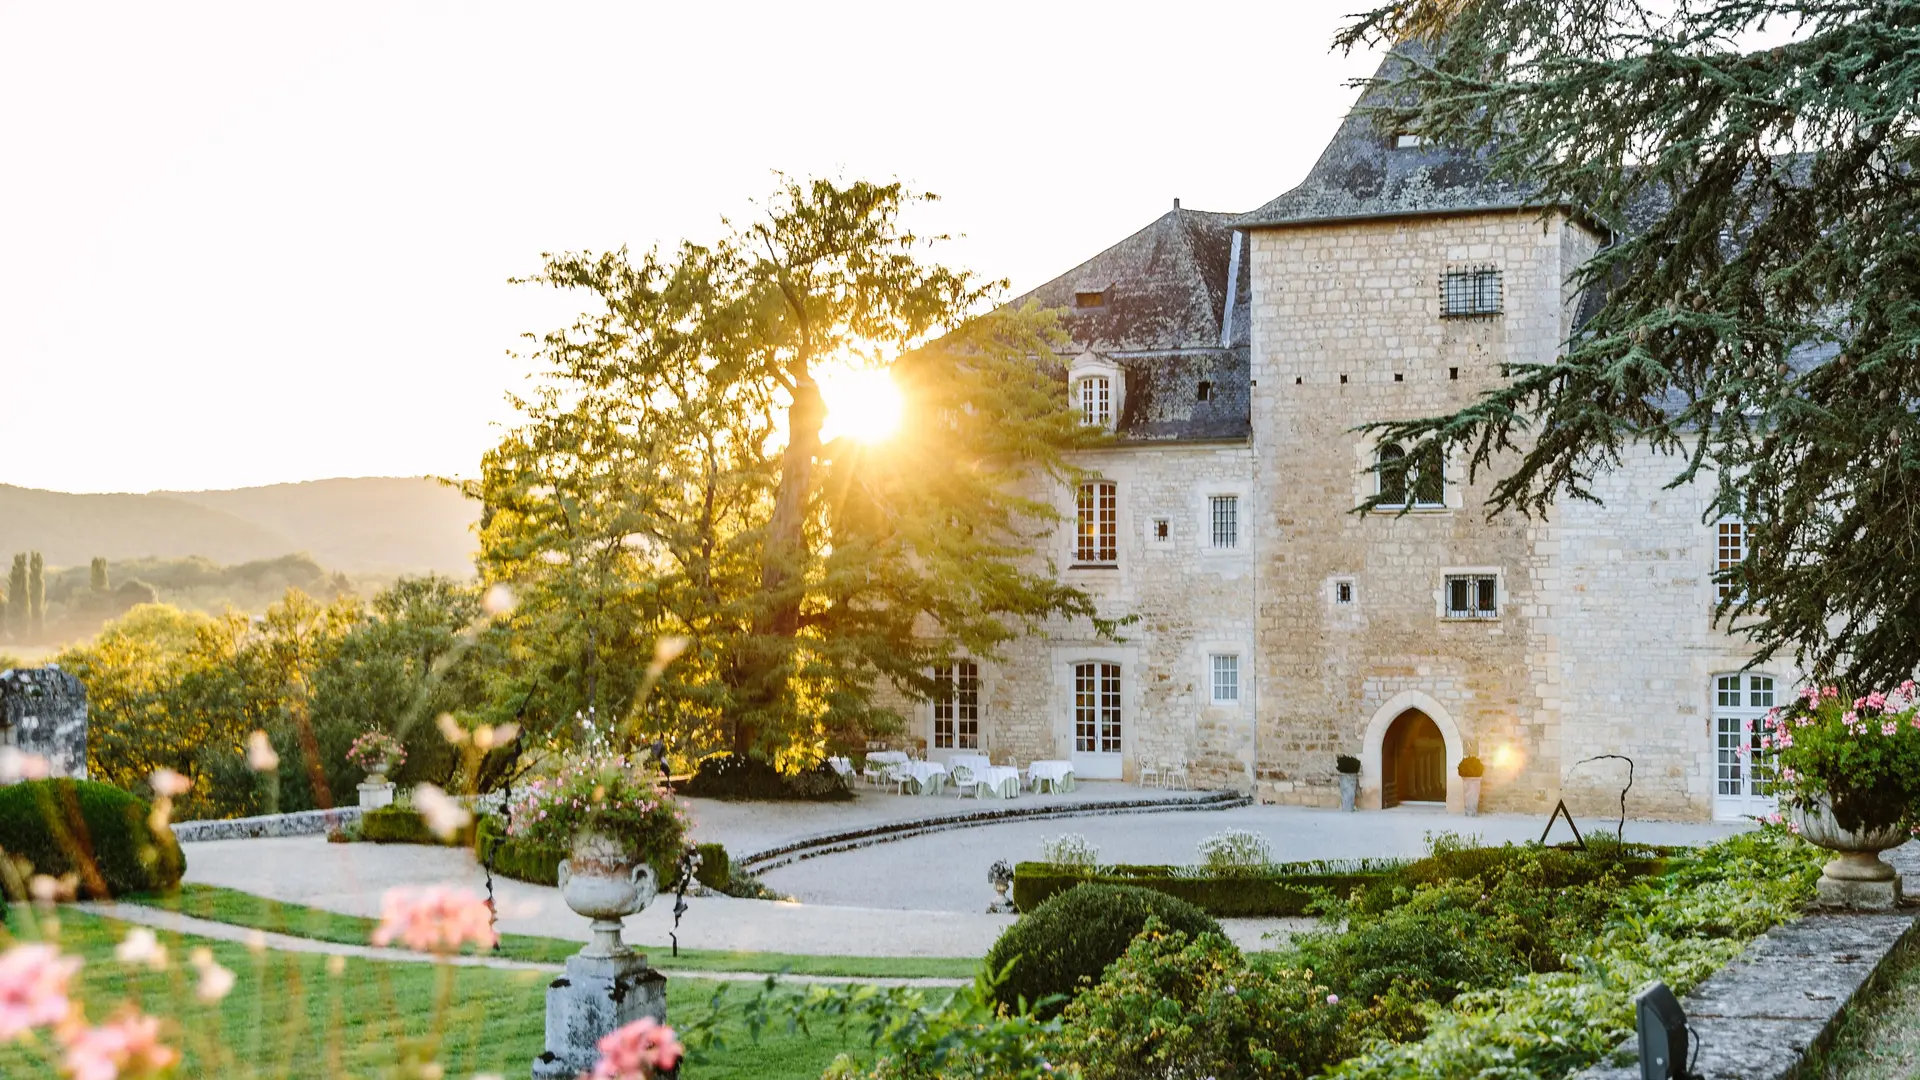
[
  {"x": 1473, "y": 596},
  {"x": 1098, "y": 513},
  {"x": 1226, "y": 678},
  {"x": 1730, "y": 552},
  {"x": 1226, "y": 521},
  {"x": 1425, "y": 478},
  {"x": 956, "y": 706},
  {"x": 1096, "y": 401},
  {"x": 1470, "y": 291}
]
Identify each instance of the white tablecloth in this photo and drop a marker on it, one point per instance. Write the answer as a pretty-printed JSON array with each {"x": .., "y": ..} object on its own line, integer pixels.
[
  {"x": 973, "y": 763},
  {"x": 1053, "y": 771},
  {"x": 888, "y": 757},
  {"x": 993, "y": 776},
  {"x": 923, "y": 771}
]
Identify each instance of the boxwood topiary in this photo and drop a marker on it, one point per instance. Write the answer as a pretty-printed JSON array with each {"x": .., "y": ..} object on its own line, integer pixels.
[
  {"x": 1075, "y": 935},
  {"x": 716, "y": 867},
  {"x": 93, "y": 830}
]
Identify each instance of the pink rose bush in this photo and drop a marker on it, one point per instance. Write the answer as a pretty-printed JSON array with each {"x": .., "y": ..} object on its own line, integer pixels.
[
  {"x": 1861, "y": 753},
  {"x": 376, "y": 752},
  {"x": 434, "y": 918},
  {"x": 642, "y": 1050},
  {"x": 610, "y": 794}
]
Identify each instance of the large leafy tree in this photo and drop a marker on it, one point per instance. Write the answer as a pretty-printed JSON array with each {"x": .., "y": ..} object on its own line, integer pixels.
[
  {"x": 1754, "y": 161},
  {"x": 670, "y": 478}
]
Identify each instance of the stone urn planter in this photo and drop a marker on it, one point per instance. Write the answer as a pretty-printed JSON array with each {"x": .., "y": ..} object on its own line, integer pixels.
[
  {"x": 1470, "y": 770},
  {"x": 376, "y": 791},
  {"x": 1856, "y": 877},
  {"x": 603, "y": 881},
  {"x": 1349, "y": 790}
]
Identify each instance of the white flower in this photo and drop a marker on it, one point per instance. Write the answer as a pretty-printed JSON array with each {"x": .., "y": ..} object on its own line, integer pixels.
[
  {"x": 260, "y": 753},
  {"x": 166, "y": 783},
  {"x": 499, "y": 600},
  {"x": 17, "y": 765},
  {"x": 216, "y": 982},
  {"x": 443, "y": 815},
  {"x": 256, "y": 941},
  {"x": 141, "y": 947}
]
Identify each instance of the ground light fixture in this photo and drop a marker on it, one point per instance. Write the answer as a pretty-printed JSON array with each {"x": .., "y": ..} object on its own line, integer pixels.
[{"x": 1663, "y": 1030}]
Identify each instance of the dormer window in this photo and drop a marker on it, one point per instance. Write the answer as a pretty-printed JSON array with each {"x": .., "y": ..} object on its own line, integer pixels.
[
  {"x": 1090, "y": 299},
  {"x": 1096, "y": 401},
  {"x": 1206, "y": 391}
]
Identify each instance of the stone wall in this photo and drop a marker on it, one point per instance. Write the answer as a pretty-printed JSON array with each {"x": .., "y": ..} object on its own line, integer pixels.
[{"x": 44, "y": 711}]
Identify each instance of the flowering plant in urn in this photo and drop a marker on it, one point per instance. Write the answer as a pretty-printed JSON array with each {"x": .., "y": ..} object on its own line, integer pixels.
[
  {"x": 1859, "y": 755},
  {"x": 377, "y": 753},
  {"x": 623, "y": 828}
]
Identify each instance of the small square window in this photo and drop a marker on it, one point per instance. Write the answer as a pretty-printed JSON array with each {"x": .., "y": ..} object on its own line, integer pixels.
[
  {"x": 1162, "y": 531},
  {"x": 1226, "y": 678},
  {"x": 1469, "y": 292},
  {"x": 1472, "y": 596},
  {"x": 1343, "y": 592}
]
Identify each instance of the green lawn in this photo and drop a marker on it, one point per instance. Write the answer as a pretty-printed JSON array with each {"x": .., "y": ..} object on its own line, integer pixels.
[
  {"x": 313, "y": 1023},
  {"x": 1879, "y": 1036},
  {"x": 245, "y": 909}
]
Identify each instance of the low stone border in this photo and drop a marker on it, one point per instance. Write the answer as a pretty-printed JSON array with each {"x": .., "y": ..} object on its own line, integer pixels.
[
  {"x": 808, "y": 847},
  {"x": 1761, "y": 1016},
  {"x": 299, "y": 823}
]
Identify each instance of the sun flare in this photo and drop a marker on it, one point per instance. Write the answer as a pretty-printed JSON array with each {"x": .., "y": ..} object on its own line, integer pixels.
[{"x": 863, "y": 405}]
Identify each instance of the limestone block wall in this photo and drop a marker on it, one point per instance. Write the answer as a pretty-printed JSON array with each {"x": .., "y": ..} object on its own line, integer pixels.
[
  {"x": 44, "y": 711},
  {"x": 1639, "y": 651},
  {"x": 1347, "y": 330}
]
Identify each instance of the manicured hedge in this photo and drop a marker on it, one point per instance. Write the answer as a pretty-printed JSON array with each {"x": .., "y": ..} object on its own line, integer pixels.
[
  {"x": 517, "y": 859},
  {"x": 716, "y": 867},
  {"x": 1285, "y": 891},
  {"x": 1073, "y": 937},
  {"x": 401, "y": 825},
  {"x": 93, "y": 830}
]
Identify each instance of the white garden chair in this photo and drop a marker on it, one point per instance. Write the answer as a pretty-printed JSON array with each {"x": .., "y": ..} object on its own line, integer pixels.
[
  {"x": 1175, "y": 775},
  {"x": 962, "y": 778},
  {"x": 1150, "y": 774}
]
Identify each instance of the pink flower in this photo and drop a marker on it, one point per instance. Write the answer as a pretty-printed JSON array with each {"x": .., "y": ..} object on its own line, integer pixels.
[
  {"x": 637, "y": 1051},
  {"x": 1907, "y": 688},
  {"x": 1831, "y": 693},
  {"x": 1889, "y": 728},
  {"x": 33, "y": 988},
  {"x": 434, "y": 918},
  {"x": 1333, "y": 999},
  {"x": 1850, "y": 718},
  {"x": 127, "y": 1047},
  {"x": 1876, "y": 700}
]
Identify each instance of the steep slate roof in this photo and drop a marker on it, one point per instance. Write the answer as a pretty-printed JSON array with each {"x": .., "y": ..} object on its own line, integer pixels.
[
  {"x": 1166, "y": 293},
  {"x": 1361, "y": 174}
]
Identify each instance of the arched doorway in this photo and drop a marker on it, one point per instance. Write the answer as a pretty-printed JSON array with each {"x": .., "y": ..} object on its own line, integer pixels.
[{"x": 1413, "y": 761}]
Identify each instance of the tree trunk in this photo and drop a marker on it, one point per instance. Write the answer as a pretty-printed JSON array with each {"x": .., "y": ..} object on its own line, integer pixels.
[{"x": 782, "y": 560}]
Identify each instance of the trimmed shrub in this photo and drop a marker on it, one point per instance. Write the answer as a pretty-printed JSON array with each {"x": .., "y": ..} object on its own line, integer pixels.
[
  {"x": 1071, "y": 939},
  {"x": 404, "y": 825},
  {"x": 1174, "y": 1006},
  {"x": 716, "y": 868},
  {"x": 1471, "y": 767},
  {"x": 93, "y": 830},
  {"x": 1283, "y": 889},
  {"x": 517, "y": 859},
  {"x": 1348, "y": 764},
  {"x": 749, "y": 776}
]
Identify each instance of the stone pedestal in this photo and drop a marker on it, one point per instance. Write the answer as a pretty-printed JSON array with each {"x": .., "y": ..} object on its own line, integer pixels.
[
  {"x": 375, "y": 796},
  {"x": 1858, "y": 895},
  {"x": 595, "y": 996}
]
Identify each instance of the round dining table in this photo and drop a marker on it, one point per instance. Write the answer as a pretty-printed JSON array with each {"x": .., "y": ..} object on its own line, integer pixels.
[{"x": 927, "y": 774}]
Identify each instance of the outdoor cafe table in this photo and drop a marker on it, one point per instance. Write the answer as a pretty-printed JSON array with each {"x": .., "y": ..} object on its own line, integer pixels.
[
  {"x": 926, "y": 772},
  {"x": 889, "y": 757},
  {"x": 973, "y": 763},
  {"x": 995, "y": 778},
  {"x": 1056, "y": 773}
]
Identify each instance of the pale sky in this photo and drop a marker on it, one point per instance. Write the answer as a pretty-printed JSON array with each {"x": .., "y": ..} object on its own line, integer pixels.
[{"x": 251, "y": 243}]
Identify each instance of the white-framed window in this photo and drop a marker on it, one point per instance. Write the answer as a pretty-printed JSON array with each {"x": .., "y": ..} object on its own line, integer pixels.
[
  {"x": 1162, "y": 531},
  {"x": 1096, "y": 707},
  {"x": 1225, "y": 668},
  {"x": 1096, "y": 401},
  {"x": 1424, "y": 482},
  {"x": 956, "y": 706},
  {"x": 1097, "y": 513},
  {"x": 1472, "y": 596},
  {"x": 1469, "y": 291},
  {"x": 1225, "y": 516},
  {"x": 1742, "y": 771},
  {"x": 1343, "y": 591},
  {"x": 1730, "y": 550}
]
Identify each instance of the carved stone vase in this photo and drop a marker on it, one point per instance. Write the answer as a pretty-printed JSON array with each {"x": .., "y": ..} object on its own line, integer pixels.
[
  {"x": 1856, "y": 877},
  {"x": 1349, "y": 789},
  {"x": 1470, "y": 795},
  {"x": 604, "y": 881}
]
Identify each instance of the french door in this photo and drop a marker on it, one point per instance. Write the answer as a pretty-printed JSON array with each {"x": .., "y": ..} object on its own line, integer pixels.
[
  {"x": 1742, "y": 772},
  {"x": 1096, "y": 720},
  {"x": 956, "y": 707}
]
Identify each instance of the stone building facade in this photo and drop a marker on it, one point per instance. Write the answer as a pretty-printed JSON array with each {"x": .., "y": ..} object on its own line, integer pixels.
[
  {"x": 1234, "y": 357},
  {"x": 43, "y": 711}
]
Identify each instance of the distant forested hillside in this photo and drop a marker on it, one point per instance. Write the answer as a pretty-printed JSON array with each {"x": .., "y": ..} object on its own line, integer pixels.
[{"x": 374, "y": 525}]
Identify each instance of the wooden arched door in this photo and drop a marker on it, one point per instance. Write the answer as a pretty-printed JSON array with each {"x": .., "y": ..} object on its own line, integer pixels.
[{"x": 1413, "y": 761}]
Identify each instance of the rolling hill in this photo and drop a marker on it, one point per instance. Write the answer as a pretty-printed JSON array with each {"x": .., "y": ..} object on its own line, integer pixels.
[{"x": 368, "y": 525}]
